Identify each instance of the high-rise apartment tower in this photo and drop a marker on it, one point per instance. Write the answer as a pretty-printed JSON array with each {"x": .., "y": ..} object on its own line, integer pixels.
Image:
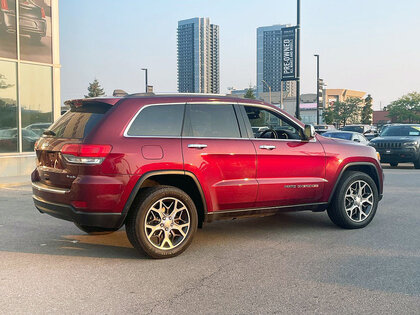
[{"x": 198, "y": 56}]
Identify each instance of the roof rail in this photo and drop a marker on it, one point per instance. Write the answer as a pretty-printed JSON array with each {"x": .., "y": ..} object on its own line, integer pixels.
[{"x": 173, "y": 94}]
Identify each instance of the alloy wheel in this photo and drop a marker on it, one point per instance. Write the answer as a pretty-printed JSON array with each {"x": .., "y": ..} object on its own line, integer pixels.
[
  {"x": 358, "y": 201},
  {"x": 167, "y": 223}
]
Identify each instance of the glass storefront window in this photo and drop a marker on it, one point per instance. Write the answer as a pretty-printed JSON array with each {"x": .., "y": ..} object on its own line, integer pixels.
[
  {"x": 8, "y": 108},
  {"x": 35, "y": 30},
  {"x": 36, "y": 102},
  {"x": 8, "y": 29}
]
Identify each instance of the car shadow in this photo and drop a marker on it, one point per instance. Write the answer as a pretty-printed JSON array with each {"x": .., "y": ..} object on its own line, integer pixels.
[
  {"x": 51, "y": 241},
  {"x": 403, "y": 166}
]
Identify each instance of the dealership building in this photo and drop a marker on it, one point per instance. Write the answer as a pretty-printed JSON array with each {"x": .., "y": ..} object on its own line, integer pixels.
[{"x": 29, "y": 80}]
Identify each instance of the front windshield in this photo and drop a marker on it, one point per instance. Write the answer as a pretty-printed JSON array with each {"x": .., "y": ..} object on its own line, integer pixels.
[
  {"x": 338, "y": 135},
  {"x": 358, "y": 129},
  {"x": 401, "y": 131}
]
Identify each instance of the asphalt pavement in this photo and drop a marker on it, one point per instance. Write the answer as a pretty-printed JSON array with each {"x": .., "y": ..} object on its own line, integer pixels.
[{"x": 287, "y": 263}]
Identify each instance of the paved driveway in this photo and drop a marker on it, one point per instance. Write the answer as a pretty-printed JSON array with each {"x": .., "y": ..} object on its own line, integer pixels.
[{"x": 288, "y": 263}]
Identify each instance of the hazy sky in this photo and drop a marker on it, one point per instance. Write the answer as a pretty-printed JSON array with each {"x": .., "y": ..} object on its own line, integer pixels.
[{"x": 368, "y": 45}]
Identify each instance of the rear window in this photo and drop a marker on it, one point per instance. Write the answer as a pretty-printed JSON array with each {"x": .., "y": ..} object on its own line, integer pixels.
[
  {"x": 338, "y": 135},
  {"x": 79, "y": 121},
  {"x": 158, "y": 120},
  {"x": 358, "y": 129}
]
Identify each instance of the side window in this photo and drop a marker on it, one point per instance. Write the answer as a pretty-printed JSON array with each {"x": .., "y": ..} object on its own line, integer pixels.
[
  {"x": 211, "y": 121},
  {"x": 158, "y": 120},
  {"x": 268, "y": 124}
]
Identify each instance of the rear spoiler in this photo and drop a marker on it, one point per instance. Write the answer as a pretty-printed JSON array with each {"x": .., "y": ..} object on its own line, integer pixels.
[{"x": 80, "y": 102}]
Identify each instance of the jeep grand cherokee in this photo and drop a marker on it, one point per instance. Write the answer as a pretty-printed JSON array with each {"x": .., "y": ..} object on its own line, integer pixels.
[{"x": 164, "y": 165}]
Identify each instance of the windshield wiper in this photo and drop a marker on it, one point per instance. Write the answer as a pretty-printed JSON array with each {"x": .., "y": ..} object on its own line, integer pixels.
[{"x": 49, "y": 133}]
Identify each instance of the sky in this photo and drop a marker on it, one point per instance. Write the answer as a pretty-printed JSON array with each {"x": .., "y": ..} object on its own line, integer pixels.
[{"x": 367, "y": 45}]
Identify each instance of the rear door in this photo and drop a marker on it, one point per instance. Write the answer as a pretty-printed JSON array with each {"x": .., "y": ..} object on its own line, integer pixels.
[
  {"x": 72, "y": 127},
  {"x": 290, "y": 170},
  {"x": 221, "y": 157}
]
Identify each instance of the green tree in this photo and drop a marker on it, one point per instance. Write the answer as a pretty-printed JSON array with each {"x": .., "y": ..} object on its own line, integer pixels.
[
  {"x": 329, "y": 115},
  {"x": 406, "y": 108},
  {"x": 249, "y": 93},
  {"x": 367, "y": 111},
  {"x": 95, "y": 89},
  {"x": 343, "y": 113}
]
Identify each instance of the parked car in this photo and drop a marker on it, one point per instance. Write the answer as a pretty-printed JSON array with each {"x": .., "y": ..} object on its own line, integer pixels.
[
  {"x": 320, "y": 129},
  {"x": 347, "y": 135},
  {"x": 399, "y": 143},
  {"x": 164, "y": 165},
  {"x": 9, "y": 139},
  {"x": 368, "y": 131},
  {"x": 31, "y": 19},
  {"x": 38, "y": 128}
]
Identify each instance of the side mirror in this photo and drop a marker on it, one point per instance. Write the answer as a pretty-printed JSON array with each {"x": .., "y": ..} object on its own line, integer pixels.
[
  {"x": 357, "y": 140},
  {"x": 309, "y": 132}
]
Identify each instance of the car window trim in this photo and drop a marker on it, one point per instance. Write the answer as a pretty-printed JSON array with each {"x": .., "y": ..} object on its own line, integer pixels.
[{"x": 126, "y": 135}]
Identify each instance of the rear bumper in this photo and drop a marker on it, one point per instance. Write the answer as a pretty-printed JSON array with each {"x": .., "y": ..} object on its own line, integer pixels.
[{"x": 67, "y": 212}]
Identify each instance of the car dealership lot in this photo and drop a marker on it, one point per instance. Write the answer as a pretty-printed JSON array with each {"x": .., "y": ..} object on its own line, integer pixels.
[{"x": 292, "y": 262}]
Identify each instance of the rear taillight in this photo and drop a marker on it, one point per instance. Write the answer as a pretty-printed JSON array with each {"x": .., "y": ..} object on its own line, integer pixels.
[
  {"x": 43, "y": 13},
  {"x": 85, "y": 153},
  {"x": 4, "y": 5}
]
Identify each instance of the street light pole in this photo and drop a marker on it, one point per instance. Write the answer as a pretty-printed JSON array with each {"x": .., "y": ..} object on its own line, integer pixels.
[
  {"x": 297, "y": 114},
  {"x": 269, "y": 89},
  {"x": 317, "y": 89},
  {"x": 145, "y": 74}
]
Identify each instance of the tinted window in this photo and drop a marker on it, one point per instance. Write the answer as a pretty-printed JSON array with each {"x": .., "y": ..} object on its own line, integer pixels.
[
  {"x": 213, "y": 121},
  {"x": 358, "y": 129},
  {"x": 79, "y": 121},
  {"x": 401, "y": 131},
  {"x": 338, "y": 135},
  {"x": 158, "y": 120}
]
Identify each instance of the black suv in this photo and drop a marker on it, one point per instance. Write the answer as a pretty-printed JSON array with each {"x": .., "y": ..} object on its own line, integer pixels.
[{"x": 399, "y": 144}]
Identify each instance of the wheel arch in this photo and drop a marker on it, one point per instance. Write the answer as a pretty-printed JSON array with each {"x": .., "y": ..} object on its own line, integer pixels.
[
  {"x": 364, "y": 167},
  {"x": 184, "y": 180}
]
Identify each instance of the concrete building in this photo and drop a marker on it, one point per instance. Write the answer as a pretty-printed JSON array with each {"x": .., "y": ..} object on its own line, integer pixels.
[
  {"x": 29, "y": 80},
  {"x": 198, "y": 56},
  {"x": 269, "y": 62},
  {"x": 340, "y": 95},
  {"x": 380, "y": 117}
]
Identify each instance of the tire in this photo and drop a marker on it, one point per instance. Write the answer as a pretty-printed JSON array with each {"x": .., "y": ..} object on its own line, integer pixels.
[
  {"x": 394, "y": 164},
  {"x": 154, "y": 229},
  {"x": 417, "y": 164},
  {"x": 346, "y": 198},
  {"x": 94, "y": 230}
]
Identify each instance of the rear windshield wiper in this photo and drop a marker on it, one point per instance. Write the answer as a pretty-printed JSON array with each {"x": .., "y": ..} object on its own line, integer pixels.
[{"x": 49, "y": 133}]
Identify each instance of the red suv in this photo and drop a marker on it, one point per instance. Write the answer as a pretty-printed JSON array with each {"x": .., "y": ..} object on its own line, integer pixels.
[{"x": 164, "y": 165}]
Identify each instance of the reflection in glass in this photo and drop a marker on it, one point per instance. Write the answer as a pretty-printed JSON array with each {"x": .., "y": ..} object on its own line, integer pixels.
[
  {"x": 35, "y": 30},
  {"x": 36, "y": 102},
  {"x": 8, "y": 29},
  {"x": 8, "y": 107}
]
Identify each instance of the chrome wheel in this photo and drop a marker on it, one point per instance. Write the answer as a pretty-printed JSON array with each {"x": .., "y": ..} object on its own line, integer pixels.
[
  {"x": 358, "y": 201},
  {"x": 167, "y": 223}
]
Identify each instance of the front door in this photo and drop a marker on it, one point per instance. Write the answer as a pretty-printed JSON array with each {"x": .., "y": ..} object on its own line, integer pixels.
[
  {"x": 223, "y": 161},
  {"x": 290, "y": 170}
]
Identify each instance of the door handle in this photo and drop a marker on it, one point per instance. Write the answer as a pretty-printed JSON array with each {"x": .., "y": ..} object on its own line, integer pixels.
[
  {"x": 267, "y": 147},
  {"x": 197, "y": 146}
]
